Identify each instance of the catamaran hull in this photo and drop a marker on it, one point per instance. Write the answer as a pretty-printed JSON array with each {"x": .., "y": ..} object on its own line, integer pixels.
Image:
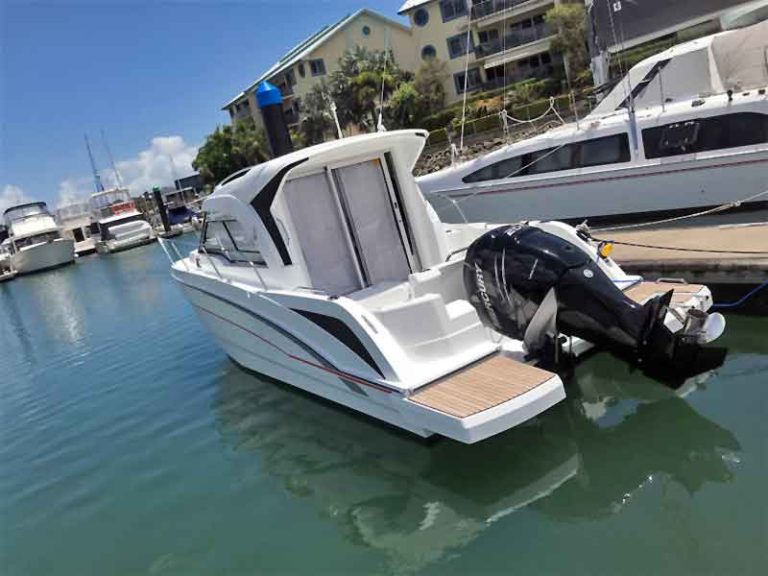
[
  {"x": 611, "y": 195},
  {"x": 44, "y": 256}
]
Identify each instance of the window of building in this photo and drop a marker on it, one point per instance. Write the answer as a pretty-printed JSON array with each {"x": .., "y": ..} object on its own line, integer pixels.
[
  {"x": 302, "y": 72},
  {"x": 428, "y": 52},
  {"x": 457, "y": 45},
  {"x": 546, "y": 58},
  {"x": 317, "y": 67},
  {"x": 596, "y": 152},
  {"x": 487, "y": 35},
  {"x": 421, "y": 17},
  {"x": 366, "y": 30},
  {"x": 290, "y": 78},
  {"x": 451, "y": 9},
  {"x": 473, "y": 80},
  {"x": 704, "y": 134}
]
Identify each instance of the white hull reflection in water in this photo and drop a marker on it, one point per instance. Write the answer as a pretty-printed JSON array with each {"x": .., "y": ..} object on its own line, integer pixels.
[{"x": 419, "y": 502}]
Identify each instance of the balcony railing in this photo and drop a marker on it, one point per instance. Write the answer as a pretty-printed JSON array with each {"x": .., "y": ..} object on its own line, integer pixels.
[
  {"x": 524, "y": 73},
  {"x": 482, "y": 9},
  {"x": 513, "y": 40}
]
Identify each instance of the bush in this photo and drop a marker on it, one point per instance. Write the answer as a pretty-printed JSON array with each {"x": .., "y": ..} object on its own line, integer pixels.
[{"x": 439, "y": 120}]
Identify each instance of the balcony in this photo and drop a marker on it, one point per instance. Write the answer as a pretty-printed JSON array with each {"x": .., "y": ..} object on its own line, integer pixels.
[
  {"x": 520, "y": 74},
  {"x": 488, "y": 7},
  {"x": 513, "y": 40}
]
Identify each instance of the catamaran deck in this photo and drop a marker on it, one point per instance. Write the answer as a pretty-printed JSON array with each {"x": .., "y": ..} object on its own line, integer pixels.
[{"x": 483, "y": 385}]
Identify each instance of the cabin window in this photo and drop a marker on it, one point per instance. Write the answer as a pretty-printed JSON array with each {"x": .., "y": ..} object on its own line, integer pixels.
[
  {"x": 503, "y": 169},
  {"x": 37, "y": 239},
  {"x": 704, "y": 134},
  {"x": 607, "y": 150},
  {"x": 227, "y": 237},
  {"x": 595, "y": 152}
]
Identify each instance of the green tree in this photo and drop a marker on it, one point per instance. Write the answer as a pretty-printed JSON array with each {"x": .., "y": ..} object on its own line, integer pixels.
[
  {"x": 317, "y": 121},
  {"x": 430, "y": 85},
  {"x": 229, "y": 149},
  {"x": 570, "y": 21}
]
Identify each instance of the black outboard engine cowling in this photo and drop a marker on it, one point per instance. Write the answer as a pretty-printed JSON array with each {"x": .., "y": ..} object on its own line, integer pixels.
[{"x": 521, "y": 279}]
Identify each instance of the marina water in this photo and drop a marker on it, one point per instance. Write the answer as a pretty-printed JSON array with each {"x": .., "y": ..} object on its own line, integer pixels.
[{"x": 131, "y": 445}]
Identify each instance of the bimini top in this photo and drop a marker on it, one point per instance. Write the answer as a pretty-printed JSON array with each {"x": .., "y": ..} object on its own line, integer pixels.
[
  {"x": 266, "y": 178},
  {"x": 732, "y": 60}
]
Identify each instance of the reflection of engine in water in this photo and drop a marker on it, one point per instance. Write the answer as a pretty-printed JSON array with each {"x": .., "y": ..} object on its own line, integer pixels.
[{"x": 532, "y": 284}]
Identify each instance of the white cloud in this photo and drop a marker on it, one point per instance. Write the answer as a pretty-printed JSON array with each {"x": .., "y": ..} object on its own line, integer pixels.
[
  {"x": 151, "y": 167},
  {"x": 12, "y": 195}
]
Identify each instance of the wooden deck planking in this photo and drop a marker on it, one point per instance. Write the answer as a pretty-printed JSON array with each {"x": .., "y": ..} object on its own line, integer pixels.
[
  {"x": 642, "y": 292},
  {"x": 485, "y": 384}
]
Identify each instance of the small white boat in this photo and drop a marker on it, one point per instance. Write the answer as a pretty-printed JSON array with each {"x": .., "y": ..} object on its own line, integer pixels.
[
  {"x": 36, "y": 242},
  {"x": 121, "y": 226},
  {"x": 686, "y": 130},
  {"x": 124, "y": 231},
  {"x": 328, "y": 270},
  {"x": 77, "y": 223}
]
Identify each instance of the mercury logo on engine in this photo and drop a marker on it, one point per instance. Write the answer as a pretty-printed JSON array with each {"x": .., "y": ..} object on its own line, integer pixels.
[{"x": 480, "y": 280}]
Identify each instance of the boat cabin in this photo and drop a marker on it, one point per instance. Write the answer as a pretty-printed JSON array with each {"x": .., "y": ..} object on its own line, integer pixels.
[
  {"x": 30, "y": 224},
  {"x": 341, "y": 220}
]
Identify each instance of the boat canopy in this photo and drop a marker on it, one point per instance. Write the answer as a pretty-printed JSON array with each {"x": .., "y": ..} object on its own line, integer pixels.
[{"x": 732, "y": 60}]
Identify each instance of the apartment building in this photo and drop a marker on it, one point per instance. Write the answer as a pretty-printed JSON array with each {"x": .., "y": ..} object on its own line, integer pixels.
[
  {"x": 308, "y": 63},
  {"x": 507, "y": 40}
]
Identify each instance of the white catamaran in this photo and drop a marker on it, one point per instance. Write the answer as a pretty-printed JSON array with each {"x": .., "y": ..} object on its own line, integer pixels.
[{"x": 685, "y": 130}]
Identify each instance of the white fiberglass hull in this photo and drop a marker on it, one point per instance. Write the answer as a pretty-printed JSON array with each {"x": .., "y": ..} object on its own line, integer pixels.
[
  {"x": 44, "y": 256},
  {"x": 112, "y": 246},
  {"x": 611, "y": 194},
  {"x": 258, "y": 342},
  {"x": 87, "y": 246}
]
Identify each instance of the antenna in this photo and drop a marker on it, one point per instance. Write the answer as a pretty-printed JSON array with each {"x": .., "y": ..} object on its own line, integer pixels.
[
  {"x": 118, "y": 179},
  {"x": 96, "y": 178}
]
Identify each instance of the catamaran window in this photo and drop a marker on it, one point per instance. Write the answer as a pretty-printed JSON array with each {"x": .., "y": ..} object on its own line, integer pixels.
[
  {"x": 703, "y": 134},
  {"x": 503, "y": 169},
  {"x": 607, "y": 150},
  {"x": 595, "y": 152}
]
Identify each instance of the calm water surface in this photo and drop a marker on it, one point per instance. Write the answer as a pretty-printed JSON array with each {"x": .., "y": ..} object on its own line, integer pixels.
[{"x": 131, "y": 445}]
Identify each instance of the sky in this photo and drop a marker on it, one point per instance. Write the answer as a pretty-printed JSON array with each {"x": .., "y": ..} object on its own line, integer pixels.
[{"x": 152, "y": 74}]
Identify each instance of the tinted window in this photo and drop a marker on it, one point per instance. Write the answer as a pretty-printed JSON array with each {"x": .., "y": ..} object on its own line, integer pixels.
[
  {"x": 421, "y": 17},
  {"x": 229, "y": 238},
  {"x": 702, "y": 134},
  {"x": 608, "y": 150},
  {"x": 428, "y": 52},
  {"x": 503, "y": 169},
  {"x": 457, "y": 45},
  {"x": 451, "y": 9},
  {"x": 595, "y": 152},
  {"x": 317, "y": 67}
]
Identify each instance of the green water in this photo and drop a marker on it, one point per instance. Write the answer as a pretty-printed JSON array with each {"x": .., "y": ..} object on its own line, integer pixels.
[{"x": 131, "y": 445}]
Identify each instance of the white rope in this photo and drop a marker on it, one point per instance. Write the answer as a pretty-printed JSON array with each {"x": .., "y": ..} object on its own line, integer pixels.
[{"x": 721, "y": 208}]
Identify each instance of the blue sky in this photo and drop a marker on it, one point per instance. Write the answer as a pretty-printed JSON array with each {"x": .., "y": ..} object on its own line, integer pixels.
[{"x": 152, "y": 74}]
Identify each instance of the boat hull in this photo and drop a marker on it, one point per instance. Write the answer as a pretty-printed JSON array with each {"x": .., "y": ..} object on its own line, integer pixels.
[
  {"x": 44, "y": 256},
  {"x": 611, "y": 195},
  {"x": 114, "y": 246}
]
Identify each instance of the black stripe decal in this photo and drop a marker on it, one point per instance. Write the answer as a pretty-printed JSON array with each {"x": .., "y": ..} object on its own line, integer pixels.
[
  {"x": 343, "y": 333},
  {"x": 262, "y": 203}
]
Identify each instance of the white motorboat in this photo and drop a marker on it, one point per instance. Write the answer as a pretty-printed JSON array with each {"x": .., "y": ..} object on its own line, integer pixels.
[
  {"x": 121, "y": 226},
  {"x": 326, "y": 269},
  {"x": 124, "y": 231},
  {"x": 36, "y": 241},
  {"x": 685, "y": 130},
  {"x": 77, "y": 223}
]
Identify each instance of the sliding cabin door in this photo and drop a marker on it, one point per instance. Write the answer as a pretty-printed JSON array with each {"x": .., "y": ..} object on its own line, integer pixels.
[
  {"x": 371, "y": 216},
  {"x": 347, "y": 228},
  {"x": 321, "y": 234}
]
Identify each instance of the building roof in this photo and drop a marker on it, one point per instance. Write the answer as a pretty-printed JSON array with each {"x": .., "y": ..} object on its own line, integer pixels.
[
  {"x": 308, "y": 45},
  {"x": 411, "y": 4}
]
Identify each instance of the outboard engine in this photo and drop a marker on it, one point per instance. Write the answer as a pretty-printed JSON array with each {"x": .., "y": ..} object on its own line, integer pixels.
[{"x": 533, "y": 285}]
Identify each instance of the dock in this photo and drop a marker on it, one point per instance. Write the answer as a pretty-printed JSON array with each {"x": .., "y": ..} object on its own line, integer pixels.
[{"x": 718, "y": 257}]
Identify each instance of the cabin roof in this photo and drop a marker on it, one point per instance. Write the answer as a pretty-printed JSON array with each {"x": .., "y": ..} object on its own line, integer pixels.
[
  {"x": 409, "y": 144},
  {"x": 121, "y": 216},
  {"x": 26, "y": 204}
]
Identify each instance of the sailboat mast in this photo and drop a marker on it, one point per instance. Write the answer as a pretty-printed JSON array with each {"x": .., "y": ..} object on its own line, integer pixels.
[
  {"x": 118, "y": 179},
  {"x": 96, "y": 178}
]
